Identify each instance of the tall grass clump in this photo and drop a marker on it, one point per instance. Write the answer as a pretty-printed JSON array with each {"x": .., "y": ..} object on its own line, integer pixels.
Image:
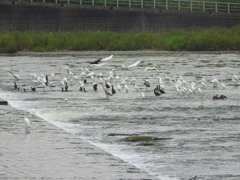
[
  {"x": 8, "y": 43},
  {"x": 210, "y": 39}
]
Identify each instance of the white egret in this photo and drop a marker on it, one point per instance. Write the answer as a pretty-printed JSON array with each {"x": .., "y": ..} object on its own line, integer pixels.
[
  {"x": 136, "y": 87},
  {"x": 235, "y": 79},
  {"x": 99, "y": 65},
  {"x": 107, "y": 92},
  {"x": 215, "y": 82},
  {"x": 107, "y": 58},
  {"x": 151, "y": 68},
  {"x": 27, "y": 123},
  {"x": 33, "y": 111},
  {"x": 134, "y": 64}
]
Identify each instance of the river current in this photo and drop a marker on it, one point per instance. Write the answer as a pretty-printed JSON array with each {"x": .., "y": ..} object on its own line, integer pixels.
[{"x": 199, "y": 136}]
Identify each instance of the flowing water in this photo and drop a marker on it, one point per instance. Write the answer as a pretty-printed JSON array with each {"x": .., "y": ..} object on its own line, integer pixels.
[{"x": 200, "y": 136}]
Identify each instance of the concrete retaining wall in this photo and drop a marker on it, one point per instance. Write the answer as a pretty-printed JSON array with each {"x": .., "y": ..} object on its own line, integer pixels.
[{"x": 52, "y": 17}]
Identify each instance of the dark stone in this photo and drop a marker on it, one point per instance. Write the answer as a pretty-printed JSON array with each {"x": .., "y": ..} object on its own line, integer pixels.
[{"x": 4, "y": 103}]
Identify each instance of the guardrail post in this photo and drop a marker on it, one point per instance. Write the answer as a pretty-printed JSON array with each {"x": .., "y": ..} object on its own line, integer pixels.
[
  {"x": 141, "y": 3},
  {"x": 129, "y": 3},
  {"x": 80, "y": 2},
  {"x": 68, "y": 1},
  {"x": 179, "y": 5},
  {"x": 216, "y": 7},
  {"x": 191, "y": 6},
  {"x": 154, "y": 4},
  {"x": 166, "y": 4},
  {"x": 92, "y": 2},
  {"x": 228, "y": 8},
  {"x": 43, "y": 1},
  {"x": 56, "y": 1},
  {"x": 204, "y": 7},
  {"x": 117, "y": 3}
]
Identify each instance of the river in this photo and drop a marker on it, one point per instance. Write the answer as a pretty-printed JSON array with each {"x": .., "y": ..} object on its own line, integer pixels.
[{"x": 198, "y": 137}]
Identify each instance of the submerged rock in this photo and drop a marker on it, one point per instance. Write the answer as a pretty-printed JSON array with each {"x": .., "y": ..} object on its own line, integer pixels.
[
  {"x": 143, "y": 138},
  {"x": 3, "y": 103},
  {"x": 119, "y": 134},
  {"x": 146, "y": 144}
]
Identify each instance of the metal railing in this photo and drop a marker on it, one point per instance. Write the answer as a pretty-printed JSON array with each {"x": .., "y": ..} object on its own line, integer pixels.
[{"x": 180, "y": 5}]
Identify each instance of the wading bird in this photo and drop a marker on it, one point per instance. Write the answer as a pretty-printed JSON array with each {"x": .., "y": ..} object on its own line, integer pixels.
[
  {"x": 27, "y": 123},
  {"x": 146, "y": 83}
]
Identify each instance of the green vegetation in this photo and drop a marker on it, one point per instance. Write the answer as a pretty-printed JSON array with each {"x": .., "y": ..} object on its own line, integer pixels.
[{"x": 212, "y": 39}]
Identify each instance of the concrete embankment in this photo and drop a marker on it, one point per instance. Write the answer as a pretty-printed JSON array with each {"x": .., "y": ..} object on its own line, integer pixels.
[
  {"x": 51, "y": 153},
  {"x": 25, "y": 16}
]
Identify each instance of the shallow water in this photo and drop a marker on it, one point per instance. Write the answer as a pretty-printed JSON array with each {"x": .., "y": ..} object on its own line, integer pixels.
[{"x": 202, "y": 135}]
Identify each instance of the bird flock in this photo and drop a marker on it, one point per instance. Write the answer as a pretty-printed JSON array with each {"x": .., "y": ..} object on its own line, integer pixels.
[
  {"x": 113, "y": 81},
  {"x": 114, "y": 78}
]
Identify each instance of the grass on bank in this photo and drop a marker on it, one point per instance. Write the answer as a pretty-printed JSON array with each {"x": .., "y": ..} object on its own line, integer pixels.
[{"x": 212, "y": 39}]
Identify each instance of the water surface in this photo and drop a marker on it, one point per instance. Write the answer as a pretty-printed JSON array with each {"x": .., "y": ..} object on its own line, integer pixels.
[{"x": 202, "y": 135}]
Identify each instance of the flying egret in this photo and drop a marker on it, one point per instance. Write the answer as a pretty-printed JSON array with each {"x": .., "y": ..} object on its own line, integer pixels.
[
  {"x": 99, "y": 65},
  {"x": 107, "y": 58},
  {"x": 134, "y": 64}
]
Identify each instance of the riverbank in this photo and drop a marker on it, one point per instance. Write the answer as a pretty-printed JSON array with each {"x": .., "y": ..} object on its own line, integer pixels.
[
  {"x": 102, "y": 54},
  {"x": 211, "y": 39},
  {"x": 50, "y": 153}
]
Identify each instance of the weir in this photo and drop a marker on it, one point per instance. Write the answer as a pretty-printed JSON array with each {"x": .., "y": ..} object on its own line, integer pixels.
[{"x": 57, "y": 17}]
